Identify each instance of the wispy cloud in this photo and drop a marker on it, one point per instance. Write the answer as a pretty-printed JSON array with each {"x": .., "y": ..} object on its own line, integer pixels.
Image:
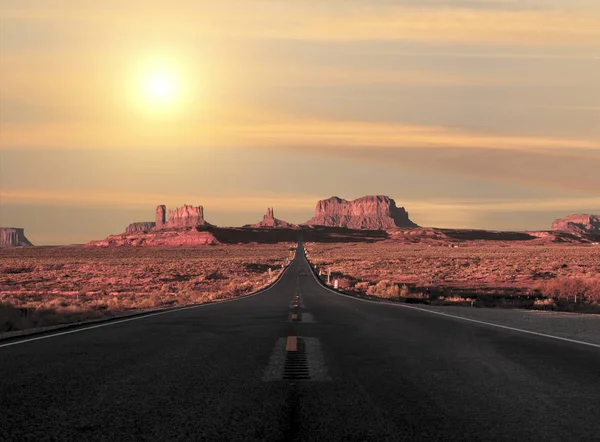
[
  {"x": 268, "y": 130},
  {"x": 242, "y": 202},
  {"x": 331, "y": 21},
  {"x": 483, "y": 205}
]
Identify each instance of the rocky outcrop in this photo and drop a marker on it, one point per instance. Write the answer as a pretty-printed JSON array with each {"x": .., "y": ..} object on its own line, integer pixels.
[
  {"x": 156, "y": 237},
  {"x": 186, "y": 216},
  {"x": 269, "y": 220},
  {"x": 369, "y": 212},
  {"x": 579, "y": 224},
  {"x": 13, "y": 237},
  {"x": 180, "y": 218},
  {"x": 140, "y": 227},
  {"x": 161, "y": 216}
]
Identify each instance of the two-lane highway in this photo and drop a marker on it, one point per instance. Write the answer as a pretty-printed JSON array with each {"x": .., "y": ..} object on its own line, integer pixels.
[{"x": 361, "y": 371}]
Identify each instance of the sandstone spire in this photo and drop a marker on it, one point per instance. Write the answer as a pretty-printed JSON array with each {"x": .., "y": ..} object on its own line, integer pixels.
[{"x": 161, "y": 216}]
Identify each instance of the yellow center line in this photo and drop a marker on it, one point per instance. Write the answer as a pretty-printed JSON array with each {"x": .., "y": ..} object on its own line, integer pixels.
[{"x": 292, "y": 343}]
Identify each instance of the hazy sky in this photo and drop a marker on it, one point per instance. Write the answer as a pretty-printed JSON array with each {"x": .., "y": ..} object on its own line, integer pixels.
[{"x": 481, "y": 114}]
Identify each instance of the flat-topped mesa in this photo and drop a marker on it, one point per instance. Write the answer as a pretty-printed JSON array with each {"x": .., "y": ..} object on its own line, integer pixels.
[
  {"x": 13, "y": 237},
  {"x": 581, "y": 223},
  {"x": 186, "y": 216},
  {"x": 269, "y": 220},
  {"x": 378, "y": 212},
  {"x": 145, "y": 226}
]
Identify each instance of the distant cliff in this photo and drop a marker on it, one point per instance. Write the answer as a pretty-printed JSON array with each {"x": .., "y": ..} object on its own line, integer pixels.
[
  {"x": 581, "y": 224},
  {"x": 13, "y": 237},
  {"x": 369, "y": 212}
]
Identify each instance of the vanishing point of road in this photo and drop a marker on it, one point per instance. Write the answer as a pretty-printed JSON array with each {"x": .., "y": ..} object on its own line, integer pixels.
[{"x": 297, "y": 362}]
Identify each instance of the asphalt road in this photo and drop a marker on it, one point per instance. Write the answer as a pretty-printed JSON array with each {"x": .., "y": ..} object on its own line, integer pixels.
[{"x": 362, "y": 371}]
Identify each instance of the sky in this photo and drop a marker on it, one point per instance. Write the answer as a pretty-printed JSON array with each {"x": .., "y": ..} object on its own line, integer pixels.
[{"x": 469, "y": 113}]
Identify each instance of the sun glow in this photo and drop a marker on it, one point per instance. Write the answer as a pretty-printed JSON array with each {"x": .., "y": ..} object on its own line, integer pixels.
[
  {"x": 160, "y": 88},
  {"x": 167, "y": 84}
]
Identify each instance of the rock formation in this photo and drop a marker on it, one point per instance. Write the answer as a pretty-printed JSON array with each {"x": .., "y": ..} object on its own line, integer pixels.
[
  {"x": 161, "y": 216},
  {"x": 369, "y": 212},
  {"x": 140, "y": 227},
  {"x": 158, "y": 237},
  {"x": 180, "y": 217},
  {"x": 186, "y": 216},
  {"x": 13, "y": 237},
  {"x": 579, "y": 224},
  {"x": 269, "y": 220}
]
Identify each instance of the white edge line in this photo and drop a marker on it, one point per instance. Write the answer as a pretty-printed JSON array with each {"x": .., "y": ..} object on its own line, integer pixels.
[
  {"x": 491, "y": 324},
  {"x": 106, "y": 324}
]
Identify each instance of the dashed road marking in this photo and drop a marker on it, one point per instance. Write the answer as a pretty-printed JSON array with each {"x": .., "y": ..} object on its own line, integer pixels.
[
  {"x": 305, "y": 365},
  {"x": 291, "y": 343}
]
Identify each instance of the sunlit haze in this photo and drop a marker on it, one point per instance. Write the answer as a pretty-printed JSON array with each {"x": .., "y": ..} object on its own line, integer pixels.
[{"x": 479, "y": 114}]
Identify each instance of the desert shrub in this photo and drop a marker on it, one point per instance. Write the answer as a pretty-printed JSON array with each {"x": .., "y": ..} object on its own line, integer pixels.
[
  {"x": 361, "y": 286},
  {"x": 214, "y": 276},
  {"x": 254, "y": 267},
  {"x": 456, "y": 300},
  {"x": 344, "y": 283},
  {"x": 384, "y": 289},
  {"x": 239, "y": 288},
  {"x": 52, "y": 267},
  {"x": 16, "y": 269},
  {"x": 544, "y": 304},
  {"x": 579, "y": 289}
]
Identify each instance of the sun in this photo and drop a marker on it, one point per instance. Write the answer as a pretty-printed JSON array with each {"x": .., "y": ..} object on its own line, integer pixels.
[
  {"x": 168, "y": 86},
  {"x": 160, "y": 88}
]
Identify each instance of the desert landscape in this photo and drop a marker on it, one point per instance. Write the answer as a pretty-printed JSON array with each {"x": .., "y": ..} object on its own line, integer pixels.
[
  {"x": 299, "y": 220},
  {"x": 368, "y": 247},
  {"x": 517, "y": 275},
  {"x": 43, "y": 286}
]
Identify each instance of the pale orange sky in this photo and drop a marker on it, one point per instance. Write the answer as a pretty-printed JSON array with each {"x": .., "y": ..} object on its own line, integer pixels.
[{"x": 481, "y": 114}]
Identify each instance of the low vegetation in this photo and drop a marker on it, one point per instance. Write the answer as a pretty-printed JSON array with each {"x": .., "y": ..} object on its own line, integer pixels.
[
  {"x": 52, "y": 285},
  {"x": 556, "y": 276}
]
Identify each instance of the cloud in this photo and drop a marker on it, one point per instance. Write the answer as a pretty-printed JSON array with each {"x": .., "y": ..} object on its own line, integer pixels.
[
  {"x": 483, "y": 205},
  {"x": 269, "y": 130},
  {"x": 247, "y": 201},
  {"x": 494, "y": 23},
  {"x": 558, "y": 169}
]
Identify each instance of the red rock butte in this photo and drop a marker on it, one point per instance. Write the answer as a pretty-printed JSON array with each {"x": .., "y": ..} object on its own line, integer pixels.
[
  {"x": 185, "y": 216},
  {"x": 378, "y": 212},
  {"x": 13, "y": 237},
  {"x": 579, "y": 224}
]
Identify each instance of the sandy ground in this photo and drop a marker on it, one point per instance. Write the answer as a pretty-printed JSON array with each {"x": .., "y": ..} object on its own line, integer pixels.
[{"x": 583, "y": 327}]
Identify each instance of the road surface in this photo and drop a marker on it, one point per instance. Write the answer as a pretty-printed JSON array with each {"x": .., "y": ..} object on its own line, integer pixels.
[{"x": 343, "y": 369}]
